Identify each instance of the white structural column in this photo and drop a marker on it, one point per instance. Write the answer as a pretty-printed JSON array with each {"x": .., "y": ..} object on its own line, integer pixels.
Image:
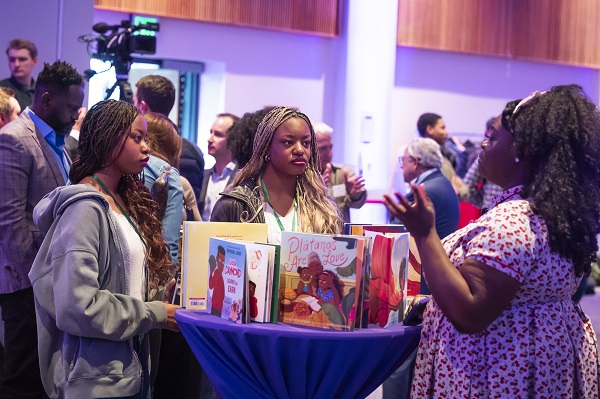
[{"x": 370, "y": 73}]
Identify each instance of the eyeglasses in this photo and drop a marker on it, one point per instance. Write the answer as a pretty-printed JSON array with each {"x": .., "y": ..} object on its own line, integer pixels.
[{"x": 404, "y": 160}]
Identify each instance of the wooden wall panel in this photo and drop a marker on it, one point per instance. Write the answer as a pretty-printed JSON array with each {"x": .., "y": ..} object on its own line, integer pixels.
[
  {"x": 564, "y": 31},
  {"x": 561, "y": 31},
  {"x": 472, "y": 26},
  {"x": 318, "y": 17}
]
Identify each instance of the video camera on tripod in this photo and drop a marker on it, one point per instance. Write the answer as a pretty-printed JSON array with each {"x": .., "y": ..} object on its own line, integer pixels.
[{"x": 116, "y": 44}]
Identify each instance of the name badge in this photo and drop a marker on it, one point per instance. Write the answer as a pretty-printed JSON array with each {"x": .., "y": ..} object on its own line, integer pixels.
[{"x": 339, "y": 190}]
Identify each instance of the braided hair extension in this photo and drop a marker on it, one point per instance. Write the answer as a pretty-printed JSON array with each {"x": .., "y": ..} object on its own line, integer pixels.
[
  {"x": 102, "y": 138},
  {"x": 318, "y": 214}
]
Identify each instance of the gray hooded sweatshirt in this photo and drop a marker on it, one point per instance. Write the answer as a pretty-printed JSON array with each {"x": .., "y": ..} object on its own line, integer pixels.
[{"x": 86, "y": 320}]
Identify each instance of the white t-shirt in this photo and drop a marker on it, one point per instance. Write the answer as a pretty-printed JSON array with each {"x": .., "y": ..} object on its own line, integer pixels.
[
  {"x": 137, "y": 258},
  {"x": 273, "y": 229}
]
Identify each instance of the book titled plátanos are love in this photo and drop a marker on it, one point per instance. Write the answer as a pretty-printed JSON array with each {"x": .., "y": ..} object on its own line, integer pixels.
[{"x": 320, "y": 277}]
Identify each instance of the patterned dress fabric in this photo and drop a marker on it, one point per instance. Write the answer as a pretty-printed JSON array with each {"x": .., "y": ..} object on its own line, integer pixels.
[{"x": 541, "y": 346}]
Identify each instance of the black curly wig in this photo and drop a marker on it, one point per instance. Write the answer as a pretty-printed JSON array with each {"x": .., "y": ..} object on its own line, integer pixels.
[
  {"x": 559, "y": 131},
  {"x": 240, "y": 136}
]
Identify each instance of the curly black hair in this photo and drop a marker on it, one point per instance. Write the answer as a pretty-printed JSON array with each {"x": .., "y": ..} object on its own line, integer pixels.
[
  {"x": 240, "y": 136},
  {"x": 58, "y": 76},
  {"x": 559, "y": 131}
]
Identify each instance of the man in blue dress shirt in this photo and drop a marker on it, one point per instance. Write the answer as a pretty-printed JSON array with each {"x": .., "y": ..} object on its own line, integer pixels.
[{"x": 33, "y": 162}]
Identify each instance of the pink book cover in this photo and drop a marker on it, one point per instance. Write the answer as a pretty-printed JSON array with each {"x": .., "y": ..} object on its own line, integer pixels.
[{"x": 388, "y": 278}]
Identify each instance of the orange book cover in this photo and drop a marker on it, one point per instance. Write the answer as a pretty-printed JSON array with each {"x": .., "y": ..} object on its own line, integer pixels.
[{"x": 414, "y": 270}]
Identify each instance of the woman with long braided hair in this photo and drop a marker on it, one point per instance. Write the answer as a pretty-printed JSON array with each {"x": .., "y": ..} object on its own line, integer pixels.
[
  {"x": 102, "y": 255},
  {"x": 281, "y": 184}
]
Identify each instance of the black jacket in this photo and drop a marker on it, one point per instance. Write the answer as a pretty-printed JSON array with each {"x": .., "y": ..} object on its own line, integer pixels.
[
  {"x": 241, "y": 203},
  {"x": 191, "y": 165}
]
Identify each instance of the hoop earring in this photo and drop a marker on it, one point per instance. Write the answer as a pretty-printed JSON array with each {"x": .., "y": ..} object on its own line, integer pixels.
[{"x": 267, "y": 158}]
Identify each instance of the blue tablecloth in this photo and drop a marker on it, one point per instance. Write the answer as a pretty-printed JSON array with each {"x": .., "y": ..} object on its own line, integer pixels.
[{"x": 284, "y": 361}]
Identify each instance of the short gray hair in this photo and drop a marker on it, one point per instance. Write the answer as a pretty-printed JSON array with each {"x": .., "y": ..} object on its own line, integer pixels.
[
  {"x": 427, "y": 151},
  {"x": 322, "y": 128}
]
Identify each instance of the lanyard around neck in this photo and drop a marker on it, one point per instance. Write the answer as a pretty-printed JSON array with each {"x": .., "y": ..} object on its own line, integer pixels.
[
  {"x": 125, "y": 213},
  {"x": 275, "y": 212}
]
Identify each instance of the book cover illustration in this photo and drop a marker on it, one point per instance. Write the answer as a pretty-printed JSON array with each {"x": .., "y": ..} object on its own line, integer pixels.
[
  {"x": 227, "y": 279},
  {"x": 359, "y": 228},
  {"x": 318, "y": 279},
  {"x": 275, "y": 284},
  {"x": 260, "y": 266},
  {"x": 414, "y": 272},
  {"x": 414, "y": 265},
  {"x": 195, "y": 255},
  {"x": 414, "y": 261},
  {"x": 388, "y": 278}
]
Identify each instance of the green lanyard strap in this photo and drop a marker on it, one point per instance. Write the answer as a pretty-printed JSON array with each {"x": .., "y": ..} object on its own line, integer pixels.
[
  {"x": 125, "y": 213},
  {"x": 275, "y": 212}
]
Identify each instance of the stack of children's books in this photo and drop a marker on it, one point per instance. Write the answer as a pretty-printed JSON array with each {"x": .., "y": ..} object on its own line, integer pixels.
[
  {"x": 364, "y": 278},
  {"x": 241, "y": 280}
]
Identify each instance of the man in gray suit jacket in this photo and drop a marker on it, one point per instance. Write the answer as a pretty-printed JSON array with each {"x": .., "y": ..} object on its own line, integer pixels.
[{"x": 32, "y": 163}]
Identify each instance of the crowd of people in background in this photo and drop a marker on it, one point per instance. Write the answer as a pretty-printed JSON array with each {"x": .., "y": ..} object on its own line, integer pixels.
[{"x": 92, "y": 203}]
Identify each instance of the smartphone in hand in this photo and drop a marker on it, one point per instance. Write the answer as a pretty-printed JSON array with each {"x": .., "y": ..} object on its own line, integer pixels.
[
  {"x": 176, "y": 298},
  {"x": 414, "y": 315}
]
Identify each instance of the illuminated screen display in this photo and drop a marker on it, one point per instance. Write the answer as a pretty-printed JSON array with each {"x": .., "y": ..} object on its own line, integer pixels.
[{"x": 141, "y": 19}]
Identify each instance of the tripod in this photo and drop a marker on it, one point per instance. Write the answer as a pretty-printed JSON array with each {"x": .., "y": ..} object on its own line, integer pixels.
[
  {"x": 126, "y": 94},
  {"x": 122, "y": 66}
]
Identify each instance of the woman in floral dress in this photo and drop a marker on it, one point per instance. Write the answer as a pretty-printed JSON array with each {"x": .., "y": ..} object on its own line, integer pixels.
[{"x": 502, "y": 323}]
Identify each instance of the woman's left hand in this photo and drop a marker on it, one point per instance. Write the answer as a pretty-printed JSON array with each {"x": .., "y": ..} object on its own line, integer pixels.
[
  {"x": 170, "y": 290},
  {"x": 171, "y": 322},
  {"x": 419, "y": 218}
]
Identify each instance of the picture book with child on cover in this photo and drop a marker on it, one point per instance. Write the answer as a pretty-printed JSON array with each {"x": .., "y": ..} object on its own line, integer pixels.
[
  {"x": 195, "y": 255},
  {"x": 319, "y": 278},
  {"x": 260, "y": 268},
  {"x": 227, "y": 279}
]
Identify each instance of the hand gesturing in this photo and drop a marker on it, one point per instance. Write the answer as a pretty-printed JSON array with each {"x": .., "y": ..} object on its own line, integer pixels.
[
  {"x": 327, "y": 175},
  {"x": 354, "y": 184},
  {"x": 419, "y": 218}
]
